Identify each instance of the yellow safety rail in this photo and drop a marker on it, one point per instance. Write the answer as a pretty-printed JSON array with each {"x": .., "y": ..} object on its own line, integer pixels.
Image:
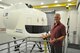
[
  {"x": 56, "y": 5},
  {"x": 45, "y": 46}
]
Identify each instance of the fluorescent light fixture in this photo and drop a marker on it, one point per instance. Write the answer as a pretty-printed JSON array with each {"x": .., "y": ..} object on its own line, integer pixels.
[
  {"x": 58, "y": 5},
  {"x": 42, "y": 3},
  {"x": 45, "y": 6},
  {"x": 69, "y": 0},
  {"x": 69, "y": 4},
  {"x": 55, "y": 1},
  {"x": 0, "y": 0}
]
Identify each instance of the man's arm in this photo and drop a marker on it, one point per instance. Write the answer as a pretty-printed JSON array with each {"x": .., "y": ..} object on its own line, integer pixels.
[
  {"x": 63, "y": 32},
  {"x": 48, "y": 35},
  {"x": 60, "y": 38}
]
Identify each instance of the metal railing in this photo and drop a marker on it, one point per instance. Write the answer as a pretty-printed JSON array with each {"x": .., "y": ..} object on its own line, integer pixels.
[
  {"x": 9, "y": 47},
  {"x": 28, "y": 39}
]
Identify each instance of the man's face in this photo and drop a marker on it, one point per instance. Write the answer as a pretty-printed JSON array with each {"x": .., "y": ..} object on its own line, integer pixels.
[{"x": 57, "y": 18}]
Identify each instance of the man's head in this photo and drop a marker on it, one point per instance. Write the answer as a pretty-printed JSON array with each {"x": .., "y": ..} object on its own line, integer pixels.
[{"x": 57, "y": 17}]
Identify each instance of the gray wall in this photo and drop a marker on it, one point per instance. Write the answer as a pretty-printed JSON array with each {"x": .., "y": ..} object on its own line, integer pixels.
[
  {"x": 50, "y": 16},
  {"x": 78, "y": 24}
]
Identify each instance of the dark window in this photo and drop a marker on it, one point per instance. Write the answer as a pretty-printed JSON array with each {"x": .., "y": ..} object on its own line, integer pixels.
[{"x": 36, "y": 29}]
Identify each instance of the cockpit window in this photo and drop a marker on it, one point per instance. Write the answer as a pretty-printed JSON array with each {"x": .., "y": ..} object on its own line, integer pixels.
[{"x": 36, "y": 29}]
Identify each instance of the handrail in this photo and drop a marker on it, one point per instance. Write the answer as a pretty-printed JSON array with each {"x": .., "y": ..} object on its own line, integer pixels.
[
  {"x": 20, "y": 39},
  {"x": 26, "y": 40},
  {"x": 8, "y": 43},
  {"x": 11, "y": 46},
  {"x": 12, "y": 41}
]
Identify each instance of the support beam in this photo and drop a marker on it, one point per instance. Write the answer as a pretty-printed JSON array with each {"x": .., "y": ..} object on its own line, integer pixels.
[{"x": 56, "y": 5}]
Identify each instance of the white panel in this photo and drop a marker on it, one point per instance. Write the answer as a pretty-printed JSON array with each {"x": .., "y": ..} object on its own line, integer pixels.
[
  {"x": 1, "y": 20},
  {"x": 73, "y": 20},
  {"x": 11, "y": 19},
  {"x": 35, "y": 17},
  {"x": 73, "y": 26}
]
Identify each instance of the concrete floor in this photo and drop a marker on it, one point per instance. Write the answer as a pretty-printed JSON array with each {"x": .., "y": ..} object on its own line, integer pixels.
[{"x": 70, "y": 50}]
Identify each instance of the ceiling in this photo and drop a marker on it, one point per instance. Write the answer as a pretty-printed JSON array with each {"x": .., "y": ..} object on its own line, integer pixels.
[{"x": 32, "y": 2}]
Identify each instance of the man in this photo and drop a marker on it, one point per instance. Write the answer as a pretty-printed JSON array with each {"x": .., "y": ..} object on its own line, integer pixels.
[{"x": 57, "y": 35}]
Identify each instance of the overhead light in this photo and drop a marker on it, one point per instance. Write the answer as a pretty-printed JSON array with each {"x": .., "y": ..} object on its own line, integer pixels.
[
  {"x": 55, "y": 1},
  {"x": 69, "y": 4},
  {"x": 45, "y": 6},
  {"x": 58, "y": 5},
  {"x": 42, "y": 3},
  {"x": 69, "y": 0},
  {"x": 0, "y": 0}
]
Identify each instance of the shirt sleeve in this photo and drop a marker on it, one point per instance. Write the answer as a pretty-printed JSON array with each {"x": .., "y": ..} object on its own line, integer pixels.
[{"x": 63, "y": 30}]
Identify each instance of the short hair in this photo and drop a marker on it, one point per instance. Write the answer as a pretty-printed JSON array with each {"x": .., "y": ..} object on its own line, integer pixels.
[{"x": 58, "y": 14}]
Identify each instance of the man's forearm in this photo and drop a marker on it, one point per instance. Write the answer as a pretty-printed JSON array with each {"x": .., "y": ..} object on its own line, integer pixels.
[{"x": 60, "y": 38}]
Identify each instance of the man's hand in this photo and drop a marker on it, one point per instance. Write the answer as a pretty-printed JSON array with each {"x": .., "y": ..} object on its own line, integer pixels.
[
  {"x": 52, "y": 41},
  {"x": 44, "y": 36}
]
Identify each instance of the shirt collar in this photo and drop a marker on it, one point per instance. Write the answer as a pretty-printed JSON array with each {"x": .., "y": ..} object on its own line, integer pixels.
[{"x": 57, "y": 23}]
